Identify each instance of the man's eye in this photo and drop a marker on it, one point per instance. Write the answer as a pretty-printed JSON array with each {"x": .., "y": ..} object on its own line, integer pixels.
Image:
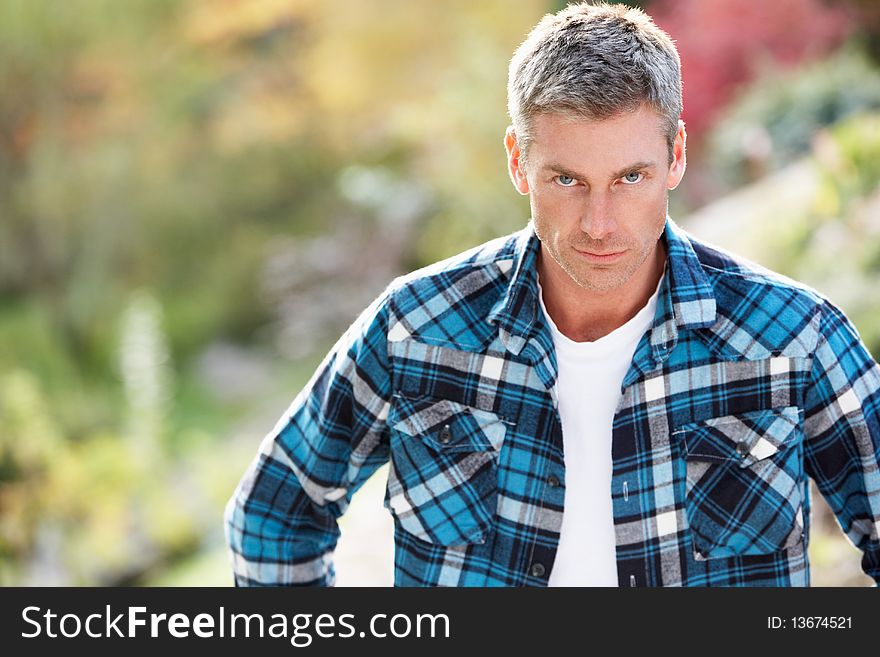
[
  {"x": 632, "y": 177},
  {"x": 565, "y": 181}
]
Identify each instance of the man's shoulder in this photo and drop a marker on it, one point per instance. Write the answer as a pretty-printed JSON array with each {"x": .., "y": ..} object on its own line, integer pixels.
[
  {"x": 467, "y": 271},
  {"x": 776, "y": 311},
  {"x": 450, "y": 297},
  {"x": 731, "y": 270}
]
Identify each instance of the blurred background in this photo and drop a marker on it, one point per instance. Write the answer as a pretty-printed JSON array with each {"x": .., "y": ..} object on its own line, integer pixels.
[{"x": 198, "y": 196}]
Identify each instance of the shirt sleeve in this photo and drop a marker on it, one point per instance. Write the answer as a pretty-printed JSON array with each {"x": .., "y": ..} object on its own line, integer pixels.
[
  {"x": 842, "y": 426},
  {"x": 281, "y": 521}
]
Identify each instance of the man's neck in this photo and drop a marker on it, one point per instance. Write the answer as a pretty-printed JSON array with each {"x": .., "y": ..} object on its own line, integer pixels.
[{"x": 585, "y": 315}]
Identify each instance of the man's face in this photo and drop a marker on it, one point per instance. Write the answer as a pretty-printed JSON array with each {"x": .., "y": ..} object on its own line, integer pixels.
[{"x": 598, "y": 191}]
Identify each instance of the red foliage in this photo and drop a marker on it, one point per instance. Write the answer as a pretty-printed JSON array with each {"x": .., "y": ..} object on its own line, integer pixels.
[{"x": 722, "y": 43}]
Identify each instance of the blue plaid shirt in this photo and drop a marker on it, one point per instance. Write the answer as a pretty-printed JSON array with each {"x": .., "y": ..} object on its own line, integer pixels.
[{"x": 746, "y": 384}]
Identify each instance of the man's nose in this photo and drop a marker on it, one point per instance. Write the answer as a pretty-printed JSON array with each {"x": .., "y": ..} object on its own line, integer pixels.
[{"x": 597, "y": 218}]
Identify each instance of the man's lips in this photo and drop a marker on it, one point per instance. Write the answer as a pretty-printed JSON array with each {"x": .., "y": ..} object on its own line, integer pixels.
[{"x": 609, "y": 256}]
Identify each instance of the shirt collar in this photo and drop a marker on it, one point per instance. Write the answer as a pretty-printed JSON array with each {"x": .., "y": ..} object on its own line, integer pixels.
[
  {"x": 516, "y": 310},
  {"x": 686, "y": 298}
]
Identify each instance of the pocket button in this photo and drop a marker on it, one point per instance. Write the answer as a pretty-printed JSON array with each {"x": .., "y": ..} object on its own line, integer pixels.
[
  {"x": 742, "y": 449},
  {"x": 445, "y": 434}
]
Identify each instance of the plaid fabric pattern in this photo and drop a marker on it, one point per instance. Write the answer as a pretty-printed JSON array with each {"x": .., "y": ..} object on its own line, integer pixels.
[{"x": 746, "y": 385}]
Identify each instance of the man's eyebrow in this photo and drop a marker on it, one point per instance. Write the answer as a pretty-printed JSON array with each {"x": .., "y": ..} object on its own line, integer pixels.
[{"x": 635, "y": 166}]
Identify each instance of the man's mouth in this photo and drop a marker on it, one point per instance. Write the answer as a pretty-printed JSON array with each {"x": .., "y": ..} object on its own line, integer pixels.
[{"x": 600, "y": 257}]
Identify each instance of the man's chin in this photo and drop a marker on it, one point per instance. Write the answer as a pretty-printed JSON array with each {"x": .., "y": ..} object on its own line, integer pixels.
[{"x": 602, "y": 282}]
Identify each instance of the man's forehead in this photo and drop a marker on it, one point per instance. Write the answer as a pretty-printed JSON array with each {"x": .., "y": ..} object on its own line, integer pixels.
[{"x": 613, "y": 142}]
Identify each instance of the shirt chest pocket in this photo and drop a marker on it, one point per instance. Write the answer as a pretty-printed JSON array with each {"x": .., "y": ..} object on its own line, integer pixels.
[
  {"x": 744, "y": 482},
  {"x": 442, "y": 484}
]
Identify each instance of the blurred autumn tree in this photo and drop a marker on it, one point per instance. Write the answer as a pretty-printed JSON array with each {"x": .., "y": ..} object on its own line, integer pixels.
[
  {"x": 726, "y": 44},
  {"x": 178, "y": 177}
]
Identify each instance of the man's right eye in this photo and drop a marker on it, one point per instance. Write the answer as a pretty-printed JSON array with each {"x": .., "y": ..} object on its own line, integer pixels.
[{"x": 565, "y": 181}]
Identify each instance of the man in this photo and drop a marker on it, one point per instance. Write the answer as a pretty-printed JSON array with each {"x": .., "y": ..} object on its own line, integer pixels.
[{"x": 598, "y": 399}]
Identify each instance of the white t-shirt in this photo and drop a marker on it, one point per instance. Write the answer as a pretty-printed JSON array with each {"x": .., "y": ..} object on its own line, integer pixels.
[{"x": 588, "y": 391}]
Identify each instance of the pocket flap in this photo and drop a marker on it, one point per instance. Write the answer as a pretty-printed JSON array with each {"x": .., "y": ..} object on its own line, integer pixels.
[
  {"x": 446, "y": 425},
  {"x": 745, "y": 438}
]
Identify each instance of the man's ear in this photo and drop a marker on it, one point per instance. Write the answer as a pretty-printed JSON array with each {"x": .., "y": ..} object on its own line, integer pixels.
[
  {"x": 679, "y": 158},
  {"x": 514, "y": 162}
]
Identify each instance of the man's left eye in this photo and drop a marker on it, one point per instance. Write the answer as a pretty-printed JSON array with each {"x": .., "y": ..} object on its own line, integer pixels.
[{"x": 632, "y": 177}]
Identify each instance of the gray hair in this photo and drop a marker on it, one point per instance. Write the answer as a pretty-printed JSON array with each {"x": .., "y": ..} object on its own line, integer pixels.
[{"x": 594, "y": 61}]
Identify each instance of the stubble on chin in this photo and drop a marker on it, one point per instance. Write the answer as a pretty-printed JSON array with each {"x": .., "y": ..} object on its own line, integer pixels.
[
  {"x": 597, "y": 278},
  {"x": 601, "y": 279}
]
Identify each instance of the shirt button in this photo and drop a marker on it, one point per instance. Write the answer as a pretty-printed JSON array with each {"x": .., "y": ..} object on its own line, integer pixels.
[
  {"x": 445, "y": 434},
  {"x": 742, "y": 449},
  {"x": 537, "y": 570},
  {"x": 553, "y": 481}
]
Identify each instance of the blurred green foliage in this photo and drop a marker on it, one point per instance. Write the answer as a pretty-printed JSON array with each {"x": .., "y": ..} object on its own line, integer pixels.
[
  {"x": 835, "y": 245},
  {"x": 773, "y": 120},
  {"x": 850, "y": 164},
  {"x": 152, "y": 155}
]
